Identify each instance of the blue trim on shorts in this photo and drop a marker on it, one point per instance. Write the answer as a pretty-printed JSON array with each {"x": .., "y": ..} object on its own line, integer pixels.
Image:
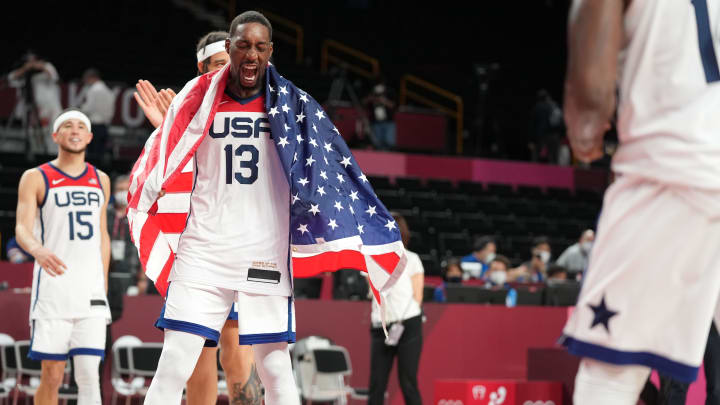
[
  {"x": 189, "y": 327},
  {"x": 679, "y": 371},
  {"x": 39, "y": 356},
  {"x": 233, "y": 315},
  {"x": 79, "y": 351},
  {"x": 259, "y": 338}
]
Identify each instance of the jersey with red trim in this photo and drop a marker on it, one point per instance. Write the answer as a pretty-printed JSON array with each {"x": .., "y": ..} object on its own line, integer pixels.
[
  {"x": 68, "y": 224},
  {"x": 236, "y": 235}
]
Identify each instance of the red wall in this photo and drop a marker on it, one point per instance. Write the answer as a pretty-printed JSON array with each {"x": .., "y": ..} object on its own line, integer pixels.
[{"x": 460, "y": 341}]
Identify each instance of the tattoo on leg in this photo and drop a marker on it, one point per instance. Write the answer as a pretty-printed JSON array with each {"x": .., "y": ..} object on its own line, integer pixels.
[{"x": 250, "y": 393}]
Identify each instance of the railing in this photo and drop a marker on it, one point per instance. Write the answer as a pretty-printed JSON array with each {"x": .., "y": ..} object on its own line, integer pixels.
[
  {"x": 326, "y": 58},
  {"x": 296, "y": 38},
  {"x": 456, "y": 113}
]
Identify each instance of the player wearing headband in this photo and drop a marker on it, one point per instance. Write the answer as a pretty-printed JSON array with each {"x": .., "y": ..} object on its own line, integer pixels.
[
  {"x": 236, "y": 360},
  {"x": 61, "y": 222}
]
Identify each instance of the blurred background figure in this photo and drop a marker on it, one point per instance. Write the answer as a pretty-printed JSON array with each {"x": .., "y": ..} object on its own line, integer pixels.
[
  {"x": 98, "y": 103},
  {"x": 497, "y": 274},
  {"x": 381, "y": 109},
  {"x": 37, "y": 101},
  {"x": 476, "y": 263},
  {"x": 556, "y": 273},
  {"x": 452, "y": 273},
  {"x": 546, "y": 127},
  {"x": 404, "y": 319},
  {"x": 575, "y": 257},
  {"x": 535, "y": 269},
  {"x": 15, "y": 253}
]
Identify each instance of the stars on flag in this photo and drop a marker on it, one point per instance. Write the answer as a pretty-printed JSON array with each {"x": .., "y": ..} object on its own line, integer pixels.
[
  {"x": 303, "y": 181},
  {"x": 303, "y": 229},
  {"x": 371, "y": 210}
]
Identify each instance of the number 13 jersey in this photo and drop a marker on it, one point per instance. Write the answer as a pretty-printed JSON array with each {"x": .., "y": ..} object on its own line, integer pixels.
[{"x": 237, "y": 230}]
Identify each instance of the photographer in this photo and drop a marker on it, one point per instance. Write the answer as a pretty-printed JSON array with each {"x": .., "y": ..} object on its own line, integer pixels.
[
  {"x": 38, "y": 96},
  {"x": 404, "y": 320}
]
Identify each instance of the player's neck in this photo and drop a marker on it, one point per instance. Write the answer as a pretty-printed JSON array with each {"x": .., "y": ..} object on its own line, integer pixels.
[
  {"x": 242, "y": 92},
  {"x": 70, "y": 163}
]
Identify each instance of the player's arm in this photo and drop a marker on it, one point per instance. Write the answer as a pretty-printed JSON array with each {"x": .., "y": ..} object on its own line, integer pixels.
[
  {"x": 418, "y": 282},
  {"x": 594, "y": 40},
  {"x": 104, "y": 235},
  {"x": 30, "y": 191}
]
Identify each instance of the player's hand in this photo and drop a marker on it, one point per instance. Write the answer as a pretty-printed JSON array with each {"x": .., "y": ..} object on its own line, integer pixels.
[
  {"x": 165, "y": 97},
  {"x": 148, "y": 99},
  {"x": 49, "y": 262},
  {"x": 585, "y": 131}
]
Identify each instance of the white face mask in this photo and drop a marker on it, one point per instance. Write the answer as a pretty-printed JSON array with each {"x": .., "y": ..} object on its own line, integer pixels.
[
  {"x": 586, "y": 246},
  {"x": 544, "y": 256},
  {"x": 489, "y": 257},
  {"x": 498, "y": 277},
  {"x": 379, "y": 89},
  {"x": 120, "y": 197}
]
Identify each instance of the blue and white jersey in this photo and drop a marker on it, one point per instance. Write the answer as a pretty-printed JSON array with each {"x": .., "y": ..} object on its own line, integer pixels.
[
  {"x": 68, "y": 224},
  {"x": 669, "y": 80}
]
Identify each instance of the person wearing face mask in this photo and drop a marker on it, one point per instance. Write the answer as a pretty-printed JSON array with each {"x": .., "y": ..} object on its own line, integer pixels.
[
  {"x": 575, "y": 257},
  {"x": 452, "y": 273},
  {"x": 477, "y": 263},
  {"x": 497, "y": 274},
  {"x": 124, "y": 261},
  {"x": 535, "y": 269}
]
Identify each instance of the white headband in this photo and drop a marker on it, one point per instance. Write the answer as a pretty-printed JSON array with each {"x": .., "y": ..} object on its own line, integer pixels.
[
  {"x": 74, "y": 114},
  {"x": 210, "y": 50}
]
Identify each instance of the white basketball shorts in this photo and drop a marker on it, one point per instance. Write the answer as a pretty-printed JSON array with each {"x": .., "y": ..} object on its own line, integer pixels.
[
  {"x": 203, "y": 309},
  {"x": 58, "y": 339},
  {"x": 652, "y": 286}
]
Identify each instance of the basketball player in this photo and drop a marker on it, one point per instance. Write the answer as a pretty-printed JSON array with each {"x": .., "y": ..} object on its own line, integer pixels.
[
  {"x": 235, "y": 246},
  {"x": 653, "y": 281},
  {"x": 61, "y": 222},
  {"x": 237, "y": 361}
]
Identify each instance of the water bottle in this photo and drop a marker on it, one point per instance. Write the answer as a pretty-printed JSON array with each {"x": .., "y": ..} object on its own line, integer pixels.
[{"x": 511, "y": 298}]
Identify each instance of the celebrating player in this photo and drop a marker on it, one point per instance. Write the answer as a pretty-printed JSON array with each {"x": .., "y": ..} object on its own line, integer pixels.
[{"x": 643, "y": 304}]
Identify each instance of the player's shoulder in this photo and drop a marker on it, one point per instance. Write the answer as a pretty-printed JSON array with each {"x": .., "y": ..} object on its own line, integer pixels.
[{"x": 33, "y": 174}]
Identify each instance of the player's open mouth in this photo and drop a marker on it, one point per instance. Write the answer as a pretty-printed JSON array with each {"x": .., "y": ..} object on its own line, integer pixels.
[{"x": 248, "y": 74}]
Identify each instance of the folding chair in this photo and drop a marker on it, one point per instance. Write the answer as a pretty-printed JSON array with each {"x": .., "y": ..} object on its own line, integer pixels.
[
  {"x": 328, "y": 368},
  {"x": 9, "y": 369},
  {"x": 143, "y": 361},
  {"x": 122, "y": 382},
  {"x": 28, "y": 375}
]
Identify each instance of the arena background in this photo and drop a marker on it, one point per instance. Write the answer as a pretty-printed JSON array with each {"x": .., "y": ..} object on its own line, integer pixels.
[{"x": 452, "y": 181}]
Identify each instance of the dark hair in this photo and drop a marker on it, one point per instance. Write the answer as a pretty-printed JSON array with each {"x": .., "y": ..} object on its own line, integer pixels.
[
  {"x": 403, "y": 227},
  {"x": 207, "y": 39},
  {"x": 502, "y": 259},
  {"x": 91, "y": 72},
  {"x": 250, "y": 17},
  {"x": 481, "y": 242},
  {"x": 450, "y": 261},
  {"x": 539, "y": 240},
  {"x": 555, "y": 269}
]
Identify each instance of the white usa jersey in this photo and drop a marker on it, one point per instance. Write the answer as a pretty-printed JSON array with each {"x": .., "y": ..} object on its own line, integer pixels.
[
  {"x": 68, "y": 224},
  {"x": 669, "y": 107},
  {"x": 237, "y": 231}
]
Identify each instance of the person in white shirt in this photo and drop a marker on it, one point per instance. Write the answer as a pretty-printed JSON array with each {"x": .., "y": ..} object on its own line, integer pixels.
[
  {"x": 575, "y": 257},
  {"x": 99, "y": 105},
  {"x": 38, "y": 98},
  {"x": 403, "y": 316}
]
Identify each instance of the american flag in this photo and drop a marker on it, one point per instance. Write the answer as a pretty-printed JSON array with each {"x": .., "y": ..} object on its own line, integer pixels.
[{"x": 336, "y": 219}]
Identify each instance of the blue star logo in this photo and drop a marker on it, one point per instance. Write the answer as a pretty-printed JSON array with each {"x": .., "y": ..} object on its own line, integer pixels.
[{"x": 602, "y": 314}]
